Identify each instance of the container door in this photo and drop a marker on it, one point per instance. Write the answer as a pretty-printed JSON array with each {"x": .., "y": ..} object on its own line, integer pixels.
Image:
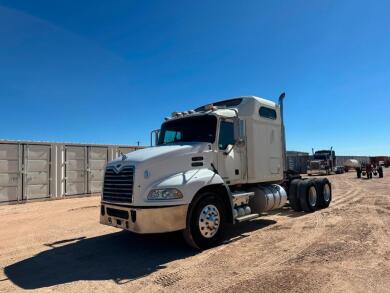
[
  {"x": 10, "y": 172},
  {"x": 97, "y": 160},
  {"x": 37, "y": 171},
  {"x": 75, "y": 170}
]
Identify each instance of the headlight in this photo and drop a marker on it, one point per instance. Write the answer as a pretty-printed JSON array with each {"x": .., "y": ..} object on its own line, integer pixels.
[{"x": 162, "y": 194}]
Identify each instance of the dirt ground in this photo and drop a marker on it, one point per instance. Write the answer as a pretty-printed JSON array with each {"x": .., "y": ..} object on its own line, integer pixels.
[{"x": 59, "y": 245}]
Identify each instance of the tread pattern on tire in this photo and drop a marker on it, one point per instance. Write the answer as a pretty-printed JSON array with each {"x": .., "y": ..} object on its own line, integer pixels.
[
  {"x": 303, "y": 189},
  {"x": 293, "y": 195},
  {"x": 320, "y": 192},
  {"x": 191, "y": 233}
]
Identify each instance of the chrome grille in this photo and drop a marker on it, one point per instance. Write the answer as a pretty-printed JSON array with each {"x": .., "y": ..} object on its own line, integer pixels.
[
  {"x": 314, "y": 165},
  {"x": 118, "y": 186}
]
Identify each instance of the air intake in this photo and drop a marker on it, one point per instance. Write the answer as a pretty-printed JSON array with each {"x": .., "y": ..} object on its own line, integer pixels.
[{"x": 118, "y": 186}]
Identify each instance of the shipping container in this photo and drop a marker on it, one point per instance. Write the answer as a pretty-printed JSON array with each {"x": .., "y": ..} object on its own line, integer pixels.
[{"x": 42, "y": 170}]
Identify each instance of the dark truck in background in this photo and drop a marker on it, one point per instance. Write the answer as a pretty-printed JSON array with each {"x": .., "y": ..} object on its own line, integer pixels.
[{"x": 322, "y": 163}]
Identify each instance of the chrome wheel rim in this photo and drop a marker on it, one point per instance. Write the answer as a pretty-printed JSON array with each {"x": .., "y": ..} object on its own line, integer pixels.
[
  {"x": 312, "y": 196},
  {"x": 209, "y": 221},
  {"x": 326, "y": 192}
]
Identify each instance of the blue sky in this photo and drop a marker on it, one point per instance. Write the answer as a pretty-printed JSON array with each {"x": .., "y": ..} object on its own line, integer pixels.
[{"x": 110, "y": 71}]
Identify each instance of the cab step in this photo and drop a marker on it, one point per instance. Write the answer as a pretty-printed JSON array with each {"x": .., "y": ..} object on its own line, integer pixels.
[
  {"x": 241, "y": 198},
  {"x": 246, "y": 218}
]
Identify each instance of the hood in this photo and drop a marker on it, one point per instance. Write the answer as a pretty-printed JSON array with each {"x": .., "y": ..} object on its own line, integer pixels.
[{"x": 158, "y": 153}]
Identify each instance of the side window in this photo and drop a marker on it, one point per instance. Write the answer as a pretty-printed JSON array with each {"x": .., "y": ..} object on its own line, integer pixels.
[
  {"x": 267, "y": 113},
  {"x": 172, "y": 136},
  {"x": 226, "y": 134}
]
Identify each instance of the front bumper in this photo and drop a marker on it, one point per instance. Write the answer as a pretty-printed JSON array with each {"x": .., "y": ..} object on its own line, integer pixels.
[
  {"x": 144, "y": 220},
  {"x": 316, "y": 172}
]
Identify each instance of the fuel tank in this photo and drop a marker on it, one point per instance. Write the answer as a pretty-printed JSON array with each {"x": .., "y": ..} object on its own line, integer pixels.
[{"x": 267, "y": 197}]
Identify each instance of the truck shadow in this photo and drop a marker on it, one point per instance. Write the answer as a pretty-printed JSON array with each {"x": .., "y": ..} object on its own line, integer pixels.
[
  {"x": 121, "y": 257},
  {"x": 286, "y": 211}
]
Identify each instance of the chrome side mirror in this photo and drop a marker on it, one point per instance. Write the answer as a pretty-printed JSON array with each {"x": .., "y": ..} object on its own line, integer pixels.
[
  {"x": 228, "y": 149},
  {"x": 239, "y": 129},
  {"x": 238, "y": 143},
  {"x": 154, "y": 137}
]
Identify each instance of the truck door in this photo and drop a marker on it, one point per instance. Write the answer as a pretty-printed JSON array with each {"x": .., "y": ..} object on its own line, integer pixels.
[{"x": 230, "y": 156}]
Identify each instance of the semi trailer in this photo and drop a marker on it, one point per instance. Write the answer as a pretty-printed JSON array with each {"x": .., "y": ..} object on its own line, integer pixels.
[{"x": 222, "y": 163}]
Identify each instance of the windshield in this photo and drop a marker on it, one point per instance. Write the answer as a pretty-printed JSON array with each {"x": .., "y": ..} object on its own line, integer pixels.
[
  {"x": 321, "y": 156},
  {"x": 190, "y": 129}
]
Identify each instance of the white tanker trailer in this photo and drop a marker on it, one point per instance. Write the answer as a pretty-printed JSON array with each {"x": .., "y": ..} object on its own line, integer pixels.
[{"x": 351, "y": 164}]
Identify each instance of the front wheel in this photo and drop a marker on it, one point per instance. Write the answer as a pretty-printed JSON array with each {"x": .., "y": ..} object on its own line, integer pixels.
[{"x": 205, "y": 222}]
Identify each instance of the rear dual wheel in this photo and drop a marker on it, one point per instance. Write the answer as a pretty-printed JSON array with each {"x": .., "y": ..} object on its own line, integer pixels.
[
  {"x": 293, "y": 195},
  {"x": 380, "y": 172},
  {"x": 308, "y": 198},
  {"x": 324, "y": 191},
  {"x": 310, "y": 195}
]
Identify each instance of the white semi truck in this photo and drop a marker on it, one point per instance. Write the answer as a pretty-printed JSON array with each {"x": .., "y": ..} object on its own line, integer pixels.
[{"x": 221, "y": 163}]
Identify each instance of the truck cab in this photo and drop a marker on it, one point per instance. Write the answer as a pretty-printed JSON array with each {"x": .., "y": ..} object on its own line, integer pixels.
[
  {"x": 323, "y": 163},
  {"x": 220, "y": 163}
]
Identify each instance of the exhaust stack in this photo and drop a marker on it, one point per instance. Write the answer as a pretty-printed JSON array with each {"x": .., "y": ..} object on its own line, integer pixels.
[{"x": 281, "y": 98}]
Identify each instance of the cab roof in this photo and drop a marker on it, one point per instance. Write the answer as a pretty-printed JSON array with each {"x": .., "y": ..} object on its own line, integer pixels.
[{"x": 238, "y": 102}]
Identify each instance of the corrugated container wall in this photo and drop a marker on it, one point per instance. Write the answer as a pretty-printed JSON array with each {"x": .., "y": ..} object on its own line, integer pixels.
[{"x": 38, "y": 170}]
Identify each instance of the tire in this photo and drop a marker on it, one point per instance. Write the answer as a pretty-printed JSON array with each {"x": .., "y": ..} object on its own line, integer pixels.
[
  {"x": 324, "y": 193},
  {"x": 292, "y": 195},
  {"x": 197, "y": 233},
  {"x": 307, "y": 194}
]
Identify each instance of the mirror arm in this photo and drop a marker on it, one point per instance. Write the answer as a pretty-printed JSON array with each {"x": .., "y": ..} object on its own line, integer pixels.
[{"x": 238, "y": 143}]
